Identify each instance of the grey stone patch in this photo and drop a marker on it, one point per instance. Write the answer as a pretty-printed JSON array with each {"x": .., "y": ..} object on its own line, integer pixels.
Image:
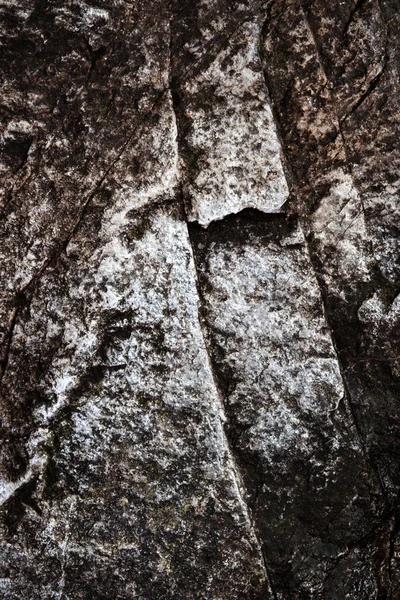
[
  {"x": 139, "y": 491},
  {"x": 341, "y": 237},
  {"x": 288, "y": 416},
  {"x": 232, "y": 135}
]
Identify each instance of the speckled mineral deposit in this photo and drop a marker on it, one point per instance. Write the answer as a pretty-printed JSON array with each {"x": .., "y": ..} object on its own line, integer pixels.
[{"x": 199, "y": 311}]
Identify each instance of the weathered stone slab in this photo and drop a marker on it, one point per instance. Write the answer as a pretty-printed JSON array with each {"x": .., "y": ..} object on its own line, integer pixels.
[
  {"x": 312, "y": 492},
  {"x": 232, "y": 156},
  {"x": 137, "y": 492}
]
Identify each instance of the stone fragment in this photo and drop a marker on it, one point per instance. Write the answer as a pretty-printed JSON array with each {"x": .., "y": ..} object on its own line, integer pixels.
[
  {"x": 138, "y": 490},
  {"x": 232, "y": 156}
]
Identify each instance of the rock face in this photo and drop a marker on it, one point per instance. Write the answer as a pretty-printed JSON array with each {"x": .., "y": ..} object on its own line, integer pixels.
[{"x": 200, "y": 314}]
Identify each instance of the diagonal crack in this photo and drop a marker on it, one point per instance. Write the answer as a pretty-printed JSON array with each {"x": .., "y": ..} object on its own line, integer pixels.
[
  {"x": 236, "y": 470},
  {"x": 292, "y": 184},
  {"x": 372, "y": 85},
  {"x": 60, "y": 247},
  {"x": 356, "y": 8}
]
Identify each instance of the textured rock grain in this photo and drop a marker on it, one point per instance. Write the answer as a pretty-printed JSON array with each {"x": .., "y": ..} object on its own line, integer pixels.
[
  {"x": 288, "y": 417},
  {"x": 140, "y": 482},
  {"x": 232, "y": 157},
  {"x": 199, "y": 312}
]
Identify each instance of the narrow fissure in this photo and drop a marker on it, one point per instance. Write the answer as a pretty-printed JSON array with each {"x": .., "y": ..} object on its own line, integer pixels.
[
  {"x": 236, "y": 470},
  {"x": 293, "y": 185}
]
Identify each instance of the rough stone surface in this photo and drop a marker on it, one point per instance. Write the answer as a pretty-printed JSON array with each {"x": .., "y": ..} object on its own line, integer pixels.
[
  {"x": 200, "y": 314},
  {"x": 232, "y": 155},
  {"x": 140, "y": 482},
  {"x": 289, "y": 420}
]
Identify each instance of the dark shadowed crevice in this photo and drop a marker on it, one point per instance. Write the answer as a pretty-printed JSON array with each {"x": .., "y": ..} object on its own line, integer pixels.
[
  {"x": 298, "y": 206},
  {"x": 7, "y": 341}
]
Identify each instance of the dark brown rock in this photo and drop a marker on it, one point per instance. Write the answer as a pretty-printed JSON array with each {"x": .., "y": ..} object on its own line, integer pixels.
[{"x": 199, "y": 313}]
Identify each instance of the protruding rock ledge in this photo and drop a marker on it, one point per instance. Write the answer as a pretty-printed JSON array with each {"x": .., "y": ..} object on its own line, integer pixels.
[{"x": 232, "y": 157}]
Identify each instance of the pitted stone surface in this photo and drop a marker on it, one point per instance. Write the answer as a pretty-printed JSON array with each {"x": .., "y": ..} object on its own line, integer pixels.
[
  {"x": 200, "y": 341},
  {"x": 232, "y": 136}
]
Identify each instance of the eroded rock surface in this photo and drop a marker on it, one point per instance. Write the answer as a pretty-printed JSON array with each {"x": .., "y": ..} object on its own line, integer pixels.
[
  {"x": 199, "y": 313},
  {"x": 289, "y": 420},
  {"x": 232, "y": 156}
]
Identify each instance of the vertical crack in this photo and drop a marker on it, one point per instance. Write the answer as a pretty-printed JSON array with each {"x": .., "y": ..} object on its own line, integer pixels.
[
  {"x": 286, "y": 165},
  {"x": 235, "y": 469}
]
